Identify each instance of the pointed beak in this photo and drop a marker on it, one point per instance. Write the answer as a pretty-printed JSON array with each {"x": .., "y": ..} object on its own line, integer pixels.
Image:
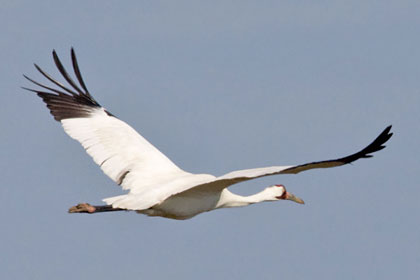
[{"x": 292, "y": 197}]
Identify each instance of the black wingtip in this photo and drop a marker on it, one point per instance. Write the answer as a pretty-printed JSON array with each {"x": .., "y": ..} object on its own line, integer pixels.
[
  {"x": 388, "y": 129},
  {"x": 376, "y": 145},
  {"x": 29, "y": 89},
  {"x": 77, "y": 72},
  {"x": 26, "y": 77},
  {"x": 386, "y": 134},
  {"x": 65, "y": 103}
]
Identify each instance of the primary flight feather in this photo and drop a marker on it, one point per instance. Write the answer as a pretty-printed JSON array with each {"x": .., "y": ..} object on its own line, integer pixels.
[{"x": 156, "y": 186}]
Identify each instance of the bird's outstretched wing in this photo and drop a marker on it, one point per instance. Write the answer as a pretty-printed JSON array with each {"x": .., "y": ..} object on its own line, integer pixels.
[
  {"x": 247, "y": 174},
  {"x": 123, "y": 154},
  {"x": 206, "y": 183}
]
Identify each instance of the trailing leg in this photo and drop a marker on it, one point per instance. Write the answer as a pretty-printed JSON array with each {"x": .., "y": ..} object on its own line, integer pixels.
[{"x": 90, "y": 209}]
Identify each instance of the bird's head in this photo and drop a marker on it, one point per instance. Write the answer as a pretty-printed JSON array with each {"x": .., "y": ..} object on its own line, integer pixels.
[{"x": 279, "y": 192}]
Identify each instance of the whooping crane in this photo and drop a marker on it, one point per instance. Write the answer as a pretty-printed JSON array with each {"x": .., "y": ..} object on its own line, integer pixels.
[{"x": 156, "y": 186}]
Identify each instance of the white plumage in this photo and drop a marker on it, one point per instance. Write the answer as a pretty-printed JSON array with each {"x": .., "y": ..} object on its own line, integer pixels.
[{"x": 156, "y": 186}]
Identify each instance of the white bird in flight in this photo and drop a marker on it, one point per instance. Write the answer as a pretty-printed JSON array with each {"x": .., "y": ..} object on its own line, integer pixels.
[{"x": 156, "y": 186}]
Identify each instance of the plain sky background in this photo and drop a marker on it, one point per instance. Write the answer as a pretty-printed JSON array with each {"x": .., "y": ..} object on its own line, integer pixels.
[{"x": 218, "y": 86}]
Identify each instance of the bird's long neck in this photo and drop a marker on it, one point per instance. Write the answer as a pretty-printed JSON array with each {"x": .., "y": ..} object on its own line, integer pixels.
[{"x": 228, "y": 199}]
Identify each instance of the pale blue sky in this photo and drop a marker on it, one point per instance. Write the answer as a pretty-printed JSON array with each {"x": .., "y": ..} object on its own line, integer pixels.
[{"x": 218, "y": 86}]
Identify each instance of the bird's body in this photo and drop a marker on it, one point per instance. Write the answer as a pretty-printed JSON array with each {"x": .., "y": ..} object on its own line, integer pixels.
[
  {"x": 187, "y": 204},
  {"x": 194, "y": 201},
  {"x": 156, "y": 186}
]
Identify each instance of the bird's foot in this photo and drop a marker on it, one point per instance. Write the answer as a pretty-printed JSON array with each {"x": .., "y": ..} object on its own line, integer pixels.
[{"x": 82, "y": 208}]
